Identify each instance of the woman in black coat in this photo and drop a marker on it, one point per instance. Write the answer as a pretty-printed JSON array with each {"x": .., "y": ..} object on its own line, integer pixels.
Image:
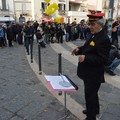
[{"x": 10, "y": 35}]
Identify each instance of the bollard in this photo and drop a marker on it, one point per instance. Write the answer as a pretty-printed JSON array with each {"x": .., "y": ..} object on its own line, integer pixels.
[
  {"x": 59, "y": 68},
  {"x": 39, "y": 56},
  {"x": 60, "y": 72},
  {"x": 31, "y": 49},
  {"x": 59, "y": 64}
]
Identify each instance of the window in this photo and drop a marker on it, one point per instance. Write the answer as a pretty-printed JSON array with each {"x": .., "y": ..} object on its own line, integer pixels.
[
  {"x": 4, "y": 4},
  {"x": 43, "y": 5},
  {"x": 70, "y": 8},
  {"x": 61, "y": 6}
]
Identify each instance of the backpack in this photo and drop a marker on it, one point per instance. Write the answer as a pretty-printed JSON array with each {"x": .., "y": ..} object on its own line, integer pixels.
[{"x": 1, "y": 32}]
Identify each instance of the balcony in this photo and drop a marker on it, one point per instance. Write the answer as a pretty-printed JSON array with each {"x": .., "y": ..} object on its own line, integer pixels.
[
  {"x": 61, "y": 12},
  {"x": 61, "y": 0},
  {"x": 75, "y": 2},
  {"x": 77, "y": 14},
  {"x": 4, "y": 9}
]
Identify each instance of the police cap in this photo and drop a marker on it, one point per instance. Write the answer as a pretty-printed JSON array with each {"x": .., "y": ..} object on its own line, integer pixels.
[{"x": 95, "y": 16}]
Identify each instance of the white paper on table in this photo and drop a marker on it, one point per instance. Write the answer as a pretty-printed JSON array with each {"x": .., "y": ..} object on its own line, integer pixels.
[{"x": 54, "y": 81}]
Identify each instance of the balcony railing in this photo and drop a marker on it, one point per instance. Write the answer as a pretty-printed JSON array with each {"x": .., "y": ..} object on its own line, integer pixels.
[
  {"x": 61, "y": 0},
  {"x": 77, "y": 13},
  {"x": 61, "y": 12},
  {"x": 4, "y": 9}
]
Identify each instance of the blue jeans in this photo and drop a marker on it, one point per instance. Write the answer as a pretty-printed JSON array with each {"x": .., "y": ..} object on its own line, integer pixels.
[
  {"x": 114, "y": 64},
  {"x": 1, "y": 41},
  {"x": 67, "y": 37},
  {"x": 27, "y": 44}
]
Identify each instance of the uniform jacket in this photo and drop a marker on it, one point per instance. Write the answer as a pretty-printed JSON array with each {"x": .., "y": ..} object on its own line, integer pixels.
[{"x": 96, "y": 51}]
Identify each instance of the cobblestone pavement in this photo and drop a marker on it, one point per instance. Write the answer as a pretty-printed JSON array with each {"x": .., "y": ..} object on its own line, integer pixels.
[
  {"x": 108, "y": 95},
  {"x": 24, "y": 97}
]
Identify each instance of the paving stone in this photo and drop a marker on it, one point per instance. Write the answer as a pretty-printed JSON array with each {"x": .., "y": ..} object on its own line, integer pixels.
[
  {"x": 16, "y": 118},
  {"x": 108, "y": 116},
  {"x": 5, "y": 114},
  {"x": 23, "y": 96},
  {"x": 39, "y": 107},
  {"x": 114, "y": 109}
]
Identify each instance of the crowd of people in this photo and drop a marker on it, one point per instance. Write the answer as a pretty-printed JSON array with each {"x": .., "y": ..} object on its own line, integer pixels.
[
  {"x": 97, "y": 55},
  {"x": 52, "y": 32}
]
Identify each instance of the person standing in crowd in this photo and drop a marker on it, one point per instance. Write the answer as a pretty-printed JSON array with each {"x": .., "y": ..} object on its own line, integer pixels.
[
  {"x": 15, "y": 31},
  {"x": 47, "y": 33},
  {"x": 113, "y": 60},
  {"x": 59, "y": 33},
  {"x": 39, "y": 35},
  {"x": 10, "y": 35},
  {"x": 74, "y": 31},
  {"x": 115, "y": 26},
  {"x": 93, "y": 55},
  {"x": 68, "y": 32},
  {"x": 29, "y": 32},
  {"x": 35, "y": 24},
  {"x": 20, "y": 33},
  {"x": 4, "y": 28},
  {"x": 82, "y": 29},
  {"x": 52, "y": 32},
  {"x": 1, "y": 36}
]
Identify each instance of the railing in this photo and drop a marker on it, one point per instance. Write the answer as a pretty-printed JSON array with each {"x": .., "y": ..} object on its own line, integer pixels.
[
  {"x": 61, "y": 12},
  {"x": 76, "y": 1},
  {"x": 61, "y": 0},
  {"x": 77, "y": 13}
]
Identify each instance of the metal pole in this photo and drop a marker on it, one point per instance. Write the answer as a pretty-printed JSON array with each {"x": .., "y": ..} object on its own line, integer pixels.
[
  {"x": 60, "y": 72},
  {"x": 39, "y": 56},
  {"x": 59, "y": 68},
  {"x": 65, "y": 105},
  {"x": 31, "y": 49},
  {"x": 59, "y": 64},
  {"x": 110, "y": 18}
]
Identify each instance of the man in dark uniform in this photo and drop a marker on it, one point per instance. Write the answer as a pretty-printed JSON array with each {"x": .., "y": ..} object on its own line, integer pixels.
[{"x": 92, "y": 57}]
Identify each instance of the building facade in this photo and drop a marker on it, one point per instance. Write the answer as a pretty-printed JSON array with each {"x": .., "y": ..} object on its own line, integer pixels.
[
  {"x": 70, "y": 10},
  {"x": 6, "y": 8},
  {"x": 24, "y": 8},
  {"x": 116, "y": 9}
]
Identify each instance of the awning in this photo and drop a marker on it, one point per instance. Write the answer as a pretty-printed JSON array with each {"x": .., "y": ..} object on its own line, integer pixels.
[
  {"x": 6, "y": 19},
  {"x": 46, "y": 19},
  {"x": 74, "y": 2}
]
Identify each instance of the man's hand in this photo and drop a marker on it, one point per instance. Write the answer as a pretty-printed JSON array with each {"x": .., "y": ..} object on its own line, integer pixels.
[
  {"x": 75, "y": 51},
  {"x": 81, "y": 58}
]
